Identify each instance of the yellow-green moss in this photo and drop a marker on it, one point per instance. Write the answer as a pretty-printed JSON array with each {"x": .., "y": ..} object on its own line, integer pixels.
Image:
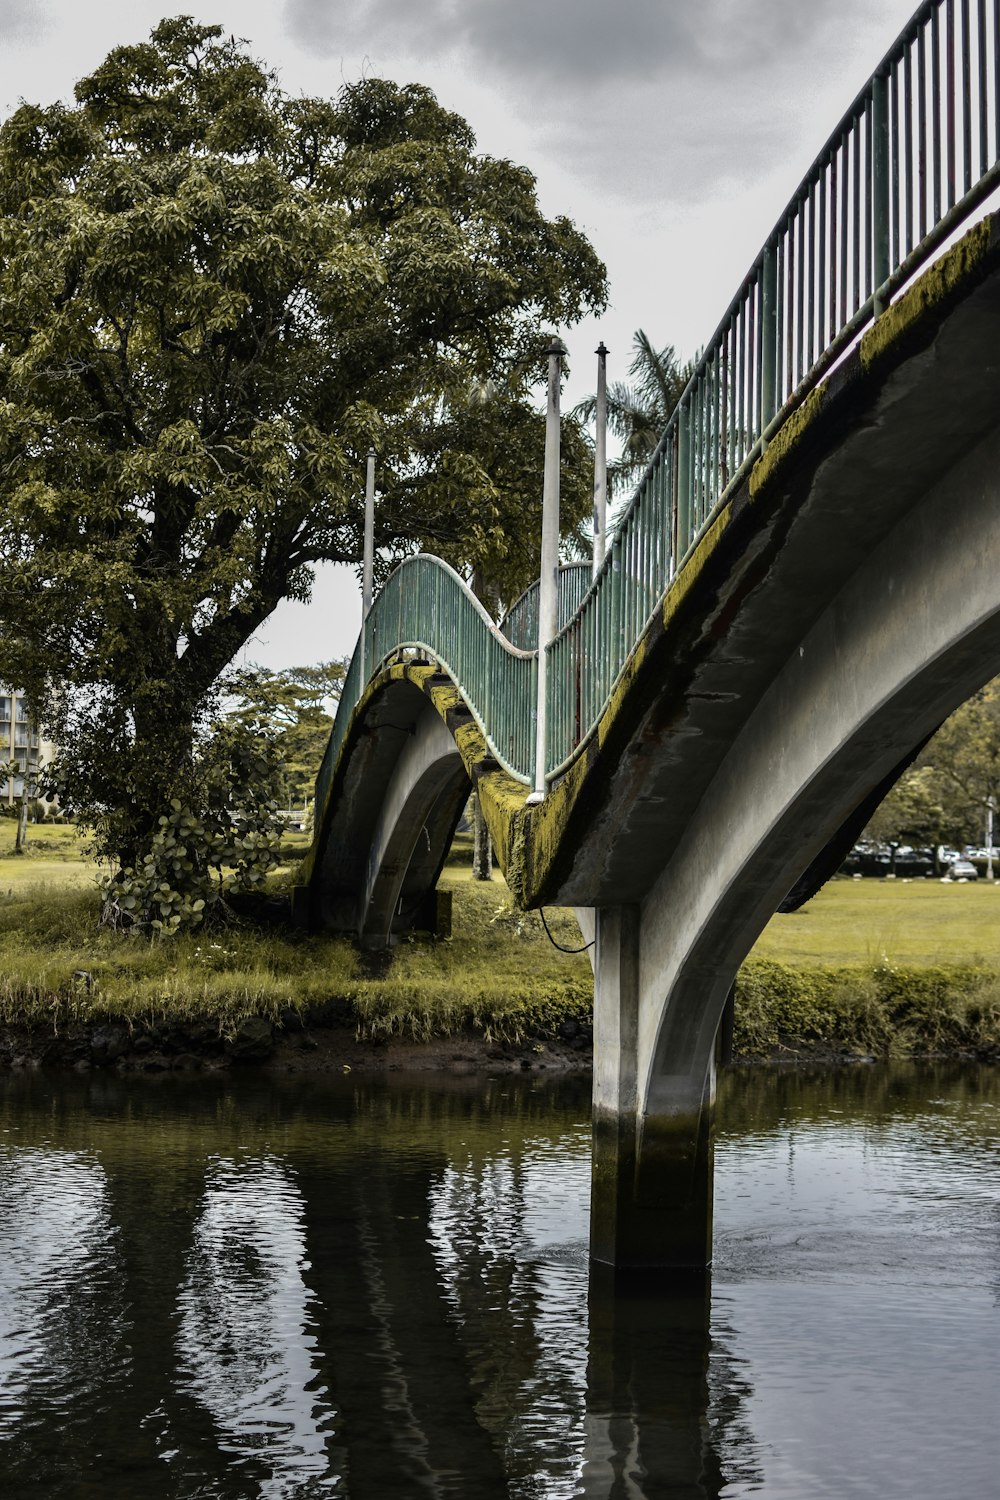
[
  {"x": 621, "y": 691},
  {"x": 787, "y": 439},
  {"x": 934, "y": 286}
]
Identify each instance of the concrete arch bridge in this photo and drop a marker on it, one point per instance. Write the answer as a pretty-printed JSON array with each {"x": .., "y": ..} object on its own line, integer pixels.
[{"x": 806, "y": 583}]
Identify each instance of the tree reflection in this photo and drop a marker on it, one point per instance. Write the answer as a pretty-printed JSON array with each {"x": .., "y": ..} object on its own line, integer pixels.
[
  {"x": 61, "y": 1323},
  {"x": 296, "y": 1292},
  {"x": 245, "y": 1342}
]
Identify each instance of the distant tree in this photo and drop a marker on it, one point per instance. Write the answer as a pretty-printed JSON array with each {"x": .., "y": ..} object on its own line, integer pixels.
[
  {"x": 944, "y": 797},
  {"x": 639, "y": 410},
  {"x": 965, "y": 757},
  {"x": 507, "y": 438},
  {"x": 291, "y": 710},
  {"x": 213, "y": 299},
  {"x": 915, "y": 812}
]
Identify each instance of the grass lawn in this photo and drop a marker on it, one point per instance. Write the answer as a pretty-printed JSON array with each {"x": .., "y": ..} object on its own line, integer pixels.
[
  {"x": 54, "y": 858},
  {"x": 499, "y": 973},
  {"x": 900, "y": 922},
  {"x": 866, "y": 967}
]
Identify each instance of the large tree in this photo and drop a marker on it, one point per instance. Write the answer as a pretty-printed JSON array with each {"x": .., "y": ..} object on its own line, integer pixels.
[{"x": 214, "y": 298}]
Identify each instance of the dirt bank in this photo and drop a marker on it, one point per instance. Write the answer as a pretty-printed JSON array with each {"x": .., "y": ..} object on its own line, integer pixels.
[{"x": 328, "y": 1043}]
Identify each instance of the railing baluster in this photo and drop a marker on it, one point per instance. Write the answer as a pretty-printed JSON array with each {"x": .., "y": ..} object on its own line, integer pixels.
[
  {"x": 983, "y": 105},
  {"x": 856, "y": 247},
  {"x": 936, "y": 108},
  {"x": 844, "y": 233},
  {"x": 966, "y": 96},
  {"x": 922, "y": 131},
  {"x": 949, "y": 74},
  {"x": 908, "y": 145}
]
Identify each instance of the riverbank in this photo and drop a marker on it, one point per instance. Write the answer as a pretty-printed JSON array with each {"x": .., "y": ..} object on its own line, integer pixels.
[{"x": 850, "y": 977}]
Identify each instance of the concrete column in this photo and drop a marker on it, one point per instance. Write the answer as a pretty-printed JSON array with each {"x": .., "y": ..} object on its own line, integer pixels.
[
  {"x": 651, "y": 1196},
  {"x": 616, "y": 1031}
]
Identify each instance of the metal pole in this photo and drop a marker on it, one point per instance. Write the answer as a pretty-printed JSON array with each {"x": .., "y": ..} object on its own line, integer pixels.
[
  {"x": 989, "y": 839},
  {"x": 368, "y": 556},
  {"x": 548, "y": 582},
  {"x": 601, "y": 459}
]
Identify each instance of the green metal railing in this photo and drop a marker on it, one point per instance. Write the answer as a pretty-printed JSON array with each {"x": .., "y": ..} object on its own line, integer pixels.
[
  {"x": 426, "y": 611},
  {"x": 520, "y": 623},
  {"x": 911, "y": 161}
]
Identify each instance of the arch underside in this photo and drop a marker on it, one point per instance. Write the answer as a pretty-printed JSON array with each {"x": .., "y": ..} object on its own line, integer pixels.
[
  {"x": 912, "y": 633},
  {"x": 386, "y": 833}
]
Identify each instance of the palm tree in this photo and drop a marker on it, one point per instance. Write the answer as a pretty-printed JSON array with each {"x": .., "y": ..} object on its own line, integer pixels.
[{"x": 639, "y": 411}]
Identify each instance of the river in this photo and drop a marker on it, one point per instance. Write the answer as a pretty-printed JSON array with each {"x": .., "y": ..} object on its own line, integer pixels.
[{"x": 240, "y": 1287}]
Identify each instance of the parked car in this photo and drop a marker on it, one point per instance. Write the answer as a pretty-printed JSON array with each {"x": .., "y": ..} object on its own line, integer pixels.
[{"x": 961, "y": 869}]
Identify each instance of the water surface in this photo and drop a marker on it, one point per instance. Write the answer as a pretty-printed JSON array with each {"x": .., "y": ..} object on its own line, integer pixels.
[{"x": 229, "y": 1287}]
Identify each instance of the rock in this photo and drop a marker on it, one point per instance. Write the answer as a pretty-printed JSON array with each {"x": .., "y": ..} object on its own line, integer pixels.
[
  {"x": 186, "y": 1062},
  {"x": 253, "y": 1042},
  {"x": 203, "y": 1035},
  {"x": 108, "y": 1043}
]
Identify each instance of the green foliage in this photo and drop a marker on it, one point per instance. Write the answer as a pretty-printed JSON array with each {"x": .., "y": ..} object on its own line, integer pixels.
[
  {"x": 193, "y": 860},
  {"x": 872, "y": 1009},
  {"x": 505, "y": 437},
  {"x": 639, "y": 412},
  {"x": 218, "y": 833},
  {"x": 916, "y": 811},
  {"x": 291, "y": 710},
  {"x": 944, "y": 797},
  {"x": 214, "y": 298}
]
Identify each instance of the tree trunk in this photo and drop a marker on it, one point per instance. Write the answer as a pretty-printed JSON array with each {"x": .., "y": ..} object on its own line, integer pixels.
[
  {"x": 21, "y": 837},
  {"x": 482, "y": 846},
  {"x": 485, "y": 591}
]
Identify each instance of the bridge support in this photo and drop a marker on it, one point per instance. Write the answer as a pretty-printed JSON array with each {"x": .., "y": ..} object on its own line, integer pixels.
[{"x": 651, "y": 1196}]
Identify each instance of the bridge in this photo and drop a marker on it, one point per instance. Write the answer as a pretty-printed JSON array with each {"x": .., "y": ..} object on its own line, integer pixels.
[{"x": 804, "y": 585}]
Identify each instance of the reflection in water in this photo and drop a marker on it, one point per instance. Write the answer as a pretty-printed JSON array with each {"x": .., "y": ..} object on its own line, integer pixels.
[
  {"x": 232, "y": 1289},
  {"x": 245, "y": 1345},
  {"x": 509, "y": 1235},
  {"x": 647, "y": 1398},
  {"x": 60, "y": 1324}
]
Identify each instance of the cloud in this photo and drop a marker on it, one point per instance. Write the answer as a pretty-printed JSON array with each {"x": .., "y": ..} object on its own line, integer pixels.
[
  {"x": 21, "y": 21},
  {"x": 658, "y": 96},
  {"x": 576, "y": 41},
  {"x": 576, "y": 44}
]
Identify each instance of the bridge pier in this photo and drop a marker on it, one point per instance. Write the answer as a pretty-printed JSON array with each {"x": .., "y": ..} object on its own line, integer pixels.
[{"x": 652, "y": 1173}]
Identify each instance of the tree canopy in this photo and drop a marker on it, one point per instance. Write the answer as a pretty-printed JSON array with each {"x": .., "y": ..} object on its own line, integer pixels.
[
  {"x": 290, "y": 710},
  {"x": 214, "y": 298},
  {"x": 944, "y": 796}
]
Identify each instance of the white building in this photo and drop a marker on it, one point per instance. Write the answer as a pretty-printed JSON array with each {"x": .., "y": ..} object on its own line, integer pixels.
[{"x": 20, "y": 742}]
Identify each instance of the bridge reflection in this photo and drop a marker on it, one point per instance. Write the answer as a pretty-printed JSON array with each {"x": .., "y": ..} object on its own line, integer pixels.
[{"x": 359, "y": 1294}]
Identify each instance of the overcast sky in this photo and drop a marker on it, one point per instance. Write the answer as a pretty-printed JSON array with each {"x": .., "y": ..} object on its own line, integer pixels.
[{"x": 672, "y": 132}]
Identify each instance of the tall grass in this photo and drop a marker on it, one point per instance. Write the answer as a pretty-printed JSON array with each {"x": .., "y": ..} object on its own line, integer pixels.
[
  {"x": 498, "y": 975},
  {"x": 837, "y": 978},
  {"x": 878, "y": 1010}
]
